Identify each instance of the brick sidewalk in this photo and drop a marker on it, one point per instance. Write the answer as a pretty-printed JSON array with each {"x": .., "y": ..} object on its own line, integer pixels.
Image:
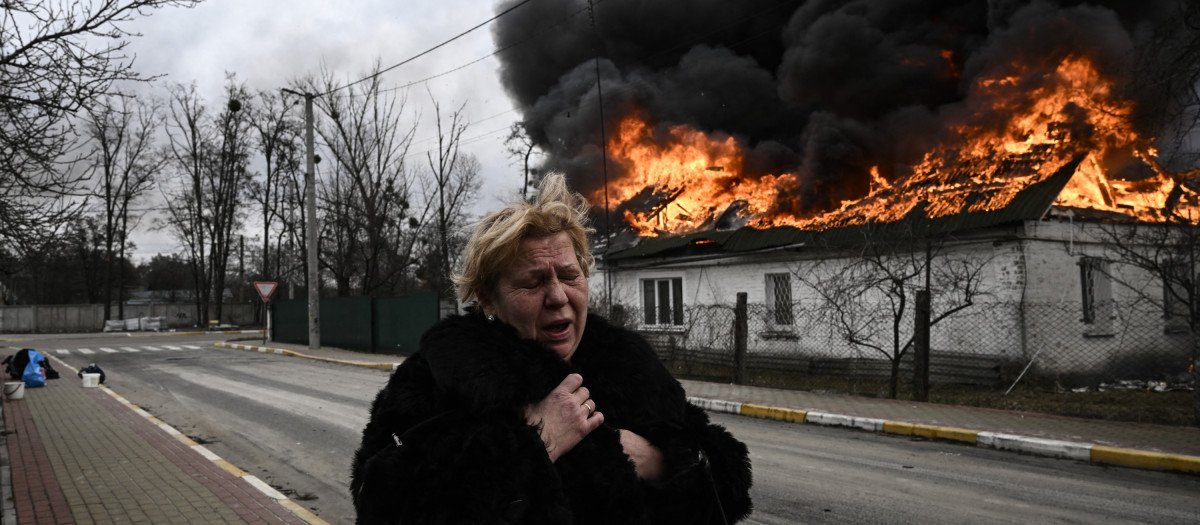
[
  {"x": 36, "y": 494},
  {"x": 82, "y": 456}
]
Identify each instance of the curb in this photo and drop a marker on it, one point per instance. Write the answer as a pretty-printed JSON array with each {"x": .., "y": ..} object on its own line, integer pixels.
[
  {"x": 259, "y": 484},
  {"x": 280, "y": 351},
  {"x": 1099, "y": 454},
  {"x": 263, "y": 487}
]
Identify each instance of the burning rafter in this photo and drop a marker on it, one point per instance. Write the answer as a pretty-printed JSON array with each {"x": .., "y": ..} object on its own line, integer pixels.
[{"x": 1072, "y": 120}]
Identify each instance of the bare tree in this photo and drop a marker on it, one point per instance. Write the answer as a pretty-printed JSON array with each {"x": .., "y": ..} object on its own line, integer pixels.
[
  {"x": 340, "y": 240},
  {"x": 290, "y": 240},
  {"x": 56, "y": 58},
  {"x": 227, "y": 182},
  {"x": 521, "y": 147},
  {"x": 867, "y": 297},
  {"x": 83, "y": 239},
  {"x": 1168, "y": 255},
  {"x": 67, "y": 270},
  {"x": 279, "y": 143},
  {"x": 453, "y": 186},
  {"x": 190, "y": 137},
  {"x": 447, "y": 231},
  {"x": 1166, "y": 81},
  {"x": 368, "y": 196},
  {"x": 210, "y": 152},
  {"x": 165, "y": 273},
  {"x": 122, "y": 131}
]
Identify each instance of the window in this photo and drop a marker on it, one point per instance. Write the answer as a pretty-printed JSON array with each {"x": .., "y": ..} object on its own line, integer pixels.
[
  {"x": 1096, "y": 285},
  {"x": 1176, "y": 297},
  {"x": 779, "y": 300},
  {"x": 662, "y": 301}
]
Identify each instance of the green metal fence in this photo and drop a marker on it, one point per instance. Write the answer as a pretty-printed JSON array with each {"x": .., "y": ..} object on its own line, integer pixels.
[
  {"x": 400, "y": 321},
  {"x": 289, "y": 321},
  {"x": 346, "y": 323},
  {"x": 368, "y": 324}
]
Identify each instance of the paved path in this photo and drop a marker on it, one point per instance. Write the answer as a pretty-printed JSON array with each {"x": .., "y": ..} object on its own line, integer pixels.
[{"x": 85, "y": 455}]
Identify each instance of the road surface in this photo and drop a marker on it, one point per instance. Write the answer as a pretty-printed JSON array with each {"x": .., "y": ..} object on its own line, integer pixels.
[{"x": 295, "y": 423}]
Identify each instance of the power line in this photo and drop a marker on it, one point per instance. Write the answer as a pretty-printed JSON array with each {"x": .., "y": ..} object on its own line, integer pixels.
[
  {"x": 530, "y": 38},
  {"x": 546, "y": 29},
  {"x": 427, "y": 51},
  {"x": 620, "y": 89}
]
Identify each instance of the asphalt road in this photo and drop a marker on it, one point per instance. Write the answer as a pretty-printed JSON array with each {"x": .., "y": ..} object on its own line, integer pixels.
[{"x": 295, "y": 424}]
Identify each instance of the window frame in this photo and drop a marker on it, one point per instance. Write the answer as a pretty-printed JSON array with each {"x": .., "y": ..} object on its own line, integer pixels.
[
  {"x": 1096, "y": 294},
  {"x": 653, "y": 291},
  {"x": 1175, "y": 311},
  {"x": 779, "y": 318}
]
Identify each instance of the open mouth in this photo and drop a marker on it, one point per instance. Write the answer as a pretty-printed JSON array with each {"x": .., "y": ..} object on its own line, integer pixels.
[{"x": 558, "y": 329}]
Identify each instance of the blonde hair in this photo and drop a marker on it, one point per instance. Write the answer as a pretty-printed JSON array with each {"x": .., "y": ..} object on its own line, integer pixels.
[{"x": 495, "y": 244}]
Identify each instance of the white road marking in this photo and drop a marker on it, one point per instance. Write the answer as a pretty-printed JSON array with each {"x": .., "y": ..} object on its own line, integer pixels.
[
  {"x": 190, "y": 347},
  {"x": 108, "y": 350},
  {"x": 153, "y": 348},
  {"x": 86, "y": 351},
  {"x": 63, "y": 351},
  {"x": 130, "y": 349},
  {"x": 169, "y": 347},
  {"x": 345, "y": 415}
]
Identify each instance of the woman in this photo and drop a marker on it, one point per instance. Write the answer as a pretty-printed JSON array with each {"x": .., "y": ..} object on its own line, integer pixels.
[{"x": 530, "y": 410}]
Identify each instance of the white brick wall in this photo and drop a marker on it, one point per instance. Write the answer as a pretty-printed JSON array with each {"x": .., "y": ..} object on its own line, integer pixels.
[{"x": 1038, "y": 267}]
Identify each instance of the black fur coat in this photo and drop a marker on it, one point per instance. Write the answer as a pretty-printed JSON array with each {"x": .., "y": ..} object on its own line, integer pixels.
[{"x": 447, "y": 441}]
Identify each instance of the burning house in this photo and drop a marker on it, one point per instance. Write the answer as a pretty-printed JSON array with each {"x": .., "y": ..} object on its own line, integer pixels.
[{"x": 1003, "y": 155}]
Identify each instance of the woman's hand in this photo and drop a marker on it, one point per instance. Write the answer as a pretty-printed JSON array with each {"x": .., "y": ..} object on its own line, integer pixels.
[
  {"x": 565, "y": 416},
  {"x": 647, "y": 459}
]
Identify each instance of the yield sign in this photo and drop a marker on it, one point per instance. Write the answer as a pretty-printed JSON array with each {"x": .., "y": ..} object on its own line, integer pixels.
[{"x": 265, "y": 289}]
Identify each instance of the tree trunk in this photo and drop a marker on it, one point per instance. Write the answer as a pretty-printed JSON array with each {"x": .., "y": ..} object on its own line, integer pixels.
[
  {"x": 897, "y": 351},
  {"x": 525, "y": 187},
  {"x": 198, "y": 292},
  {"x": 121, "y": 276},
  {"x": 108, "y": 260},
  {"x": 108, "y": 283}
]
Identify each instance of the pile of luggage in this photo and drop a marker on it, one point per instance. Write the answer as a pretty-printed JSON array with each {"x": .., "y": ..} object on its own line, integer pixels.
[{"x": 29, "y": 366}]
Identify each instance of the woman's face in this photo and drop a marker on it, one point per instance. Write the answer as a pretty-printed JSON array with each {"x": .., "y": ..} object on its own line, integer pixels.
[{"x": 543, "y": 294}]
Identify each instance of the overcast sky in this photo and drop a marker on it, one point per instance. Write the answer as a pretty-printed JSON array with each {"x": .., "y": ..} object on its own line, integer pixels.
[{"x": 267, "y": 43}]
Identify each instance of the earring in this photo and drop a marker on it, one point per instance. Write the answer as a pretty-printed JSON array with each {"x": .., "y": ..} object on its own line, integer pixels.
[{"x": 491, "y": 318}]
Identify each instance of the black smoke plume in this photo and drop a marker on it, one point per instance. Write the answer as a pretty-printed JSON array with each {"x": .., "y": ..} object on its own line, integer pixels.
[{"x": 822, "y": 88}]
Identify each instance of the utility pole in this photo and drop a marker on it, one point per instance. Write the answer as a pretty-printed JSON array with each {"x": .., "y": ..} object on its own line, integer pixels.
[{"x": 310, "y": 208}]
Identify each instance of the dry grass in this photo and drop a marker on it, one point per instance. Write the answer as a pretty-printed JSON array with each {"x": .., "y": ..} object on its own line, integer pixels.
[{"x": 1136, "y": 406}]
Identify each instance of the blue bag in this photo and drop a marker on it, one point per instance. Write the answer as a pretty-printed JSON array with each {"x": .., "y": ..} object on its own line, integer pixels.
[{"x": 34, "y": 376}]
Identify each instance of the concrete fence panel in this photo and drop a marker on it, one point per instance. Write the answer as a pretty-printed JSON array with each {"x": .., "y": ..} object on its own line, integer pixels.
[
  {"x": 16, "y": 319},
  {"x": 84, "y": 318}
]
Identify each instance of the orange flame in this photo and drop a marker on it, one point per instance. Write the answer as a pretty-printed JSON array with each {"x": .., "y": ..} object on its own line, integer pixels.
[
  {"x": 1015, "y": 135},
  {"x": 1072, "y": 111},
  {"x": 689, "y": 177}
]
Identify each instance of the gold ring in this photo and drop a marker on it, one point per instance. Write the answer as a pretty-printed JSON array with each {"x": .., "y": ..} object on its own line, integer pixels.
[{"x": 591, "y": 409}]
